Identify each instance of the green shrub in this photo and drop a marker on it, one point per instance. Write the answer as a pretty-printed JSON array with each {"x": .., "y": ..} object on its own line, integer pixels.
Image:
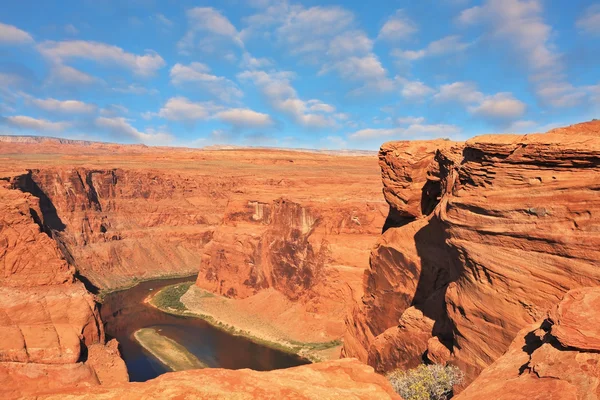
[
  {"x": 426, "y": 382},
  {"x": 169, "y": 297}
]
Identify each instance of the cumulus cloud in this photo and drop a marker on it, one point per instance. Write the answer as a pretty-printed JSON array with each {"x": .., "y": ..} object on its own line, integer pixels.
[
  {"x": 36, "y": 124},
  {"x": 61, "y": 106},
  {"x": 398, "y": 27},
  {"x": 410, "y": 120},
  {"x": 210, "y": 22},
  {"x": 415, "y": 90},
  {"x": 311, "y": 30},
  {"x": 281, "y": 95},
  {"x": 135, "y": 88},
  {"x": 241, "y": 118},
  {"x": 199, "y": 75},
  {"x": 64, "y": 74},
  {"x": 447, "y": 45},
  {"x": 10, "y": 34},
  {"x": 250, "y": 62},
  {"x": 325, "y": 36},
  {"x": 520, "y": 24},
  {"x": 589, "y": 22},
  {"x": 462, "y": 92},
  {"x": 319, "y": 106},
  {"x": 182, "y": 109},
  {"x": 121, "y": 127},
  {"x": 501, "y": 106},
  {"x": 60, "y": 52},
  {"x": 415, "y": 131}
]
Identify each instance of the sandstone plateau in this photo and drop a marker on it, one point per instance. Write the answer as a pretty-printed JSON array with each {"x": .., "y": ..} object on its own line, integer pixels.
[{"x": 485, "y": 243}]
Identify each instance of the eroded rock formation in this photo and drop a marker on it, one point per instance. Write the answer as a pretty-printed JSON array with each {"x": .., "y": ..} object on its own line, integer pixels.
[
  {"x": 49, "y": 322},
  {"x": 513, "y": 226},
  {"x": 555, "y": 358},
  {"x": 340, "y": 379}
]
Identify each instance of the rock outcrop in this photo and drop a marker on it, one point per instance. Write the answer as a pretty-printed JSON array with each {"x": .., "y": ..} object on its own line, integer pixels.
[
  {"x": 555, "y": 358},
  {"x": 513, "y": 227},
  {"x": 49, "y": 323},
  {"x": 340, "y": 379}
]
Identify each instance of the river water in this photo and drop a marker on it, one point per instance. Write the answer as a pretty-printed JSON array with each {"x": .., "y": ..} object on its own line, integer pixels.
[{"x": 124, "y": 313}]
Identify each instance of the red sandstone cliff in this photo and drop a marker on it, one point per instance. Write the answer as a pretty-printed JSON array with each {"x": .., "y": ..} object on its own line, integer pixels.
[
  {"x": 49, "y": 323},
  {"x": 515, "y": 226}
]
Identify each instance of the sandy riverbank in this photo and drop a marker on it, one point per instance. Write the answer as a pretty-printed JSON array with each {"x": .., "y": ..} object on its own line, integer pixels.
[
  {"x": 167, "y": 351},
  {"x": 272, "y": 328}
]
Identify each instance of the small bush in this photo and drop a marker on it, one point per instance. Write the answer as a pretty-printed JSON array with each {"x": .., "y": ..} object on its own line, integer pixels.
[{"x": 426, "y": 382}]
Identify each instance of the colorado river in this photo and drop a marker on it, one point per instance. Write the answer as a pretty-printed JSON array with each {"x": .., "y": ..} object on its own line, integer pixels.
[{"x": 124, "y": 313}]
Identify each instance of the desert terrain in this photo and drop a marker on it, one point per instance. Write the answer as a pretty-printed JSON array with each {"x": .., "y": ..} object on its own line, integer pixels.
[{"x": 482, "y": 254}]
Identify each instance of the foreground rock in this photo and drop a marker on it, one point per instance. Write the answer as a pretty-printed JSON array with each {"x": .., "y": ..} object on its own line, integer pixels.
[
  {"x": 341, "y": 379},
  {"x": 514, "y": 227},
  {"x": 556, "y": 358},
  {"x": 51, "y": 335}
]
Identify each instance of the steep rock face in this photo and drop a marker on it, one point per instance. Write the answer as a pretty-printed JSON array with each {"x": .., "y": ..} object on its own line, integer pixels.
[
  {"x": 515, "y": 228},
  {"x": 21, "y": 235},
  {"x": 115, "y": 225},
  {"x": 549, "y": 359},
  {"x": 347, "y": 379},
  {"x": 49, "y": 322},
  {"x": 313, "y": 253}
]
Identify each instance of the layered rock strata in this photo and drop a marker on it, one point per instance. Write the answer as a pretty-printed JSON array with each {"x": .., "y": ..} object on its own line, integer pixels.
[{"x": 513, "y": 226}]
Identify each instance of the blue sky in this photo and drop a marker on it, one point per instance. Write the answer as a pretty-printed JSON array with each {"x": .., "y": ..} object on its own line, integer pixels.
[{"x": 314, "y": 74}]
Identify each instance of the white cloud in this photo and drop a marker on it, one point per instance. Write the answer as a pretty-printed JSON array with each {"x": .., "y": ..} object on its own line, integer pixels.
[
  {"x": 135, "y": 88},
  {"x": 523, "y": 126},
  {"x": 182, "y": 109},
  {"x": 62, "y": 106},
  {"x": 60, "y": 73},
  {"x": 410, "y": 120},
  {"x": 211, "y": 22},
  {"x": 278, "y": 90},
  {"x": 163, "y": 20},
  {"x": 462, "y": 92},
  {"x": 198, "y": 74},
  {"x": 10, "y": 79},
  {"x": 120, "y": 126},
  {"x": 350, "y": 43},
  {"x": 10, "y": 34},
  {"x": 398, "y": 27},
  {"x": 250, "y": 62},
  {"x": 60, "y": 52},
  {"x": 240, "y": 117},
  {"x": 367, "y": 68},
  {"x": 415, "y": 90},
  {"x": 560, "y": 93},
  {"x": 520, "y": 24},
  {"x": 416, "y": 131},
  {"x": 318, "y": 106},
  {"x": 26, "y": 122},
  {"x": 446, "y": 45},
  {"x": 501, "y": 106},
  {"x": 589, "y": 22},
  {"x": 310, "y": 30}
]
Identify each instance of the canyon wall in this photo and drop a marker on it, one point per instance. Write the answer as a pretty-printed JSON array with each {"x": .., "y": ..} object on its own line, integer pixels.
[
  {"x": 81, "y": 217},
  {"x": 50, "y": 329},
  {"x": 499, "y": 229}
]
